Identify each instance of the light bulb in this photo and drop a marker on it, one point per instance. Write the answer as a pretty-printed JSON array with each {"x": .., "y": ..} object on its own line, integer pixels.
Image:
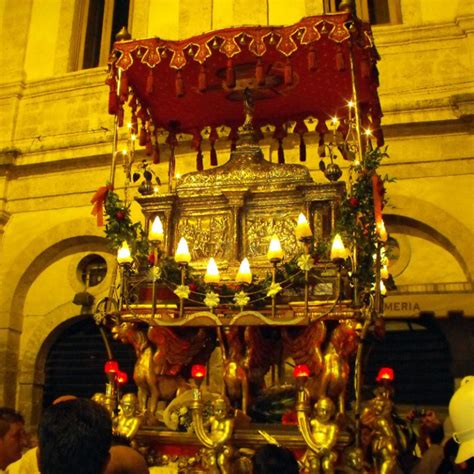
[
  {"x": 156, "y": 232},
  {"x": 182, "y": 254},
  {"x": 338, "y": 251},
  {"x": 275, "y": 251},
  {"x": 123, "y": 254},
  {"x": 244, "y": 275},
  {"x": 212, "y": 272}
]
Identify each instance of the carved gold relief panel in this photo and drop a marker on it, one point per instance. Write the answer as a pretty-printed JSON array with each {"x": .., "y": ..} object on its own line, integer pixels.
[{"x": 208, "y": 235}]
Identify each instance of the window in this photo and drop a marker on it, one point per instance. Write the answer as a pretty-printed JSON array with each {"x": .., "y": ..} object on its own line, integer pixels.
[
  {"x": 377, "y": 12},
  {"x": 96, "y": 23},
  {"x": 92, "y": 270},
  {"x": 75, "y": 362}
]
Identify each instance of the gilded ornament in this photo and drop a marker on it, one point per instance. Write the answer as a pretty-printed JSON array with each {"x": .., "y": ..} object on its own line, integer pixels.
[
  {"x": 128, "y": 421},
  {"x": 274, "y": 289},
  {"x": 182, "y": 291},
  {"x": 155, "y": 273},
  {"x": 320, "y": 434},
  {"x": 211, "y": 300},
  {"x": 305, "y": 262},
  {"x": 241, "y": 299}
]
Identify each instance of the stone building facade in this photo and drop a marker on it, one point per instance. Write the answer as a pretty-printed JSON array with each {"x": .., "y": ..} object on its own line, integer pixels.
[{"x": 56, "y": 142}]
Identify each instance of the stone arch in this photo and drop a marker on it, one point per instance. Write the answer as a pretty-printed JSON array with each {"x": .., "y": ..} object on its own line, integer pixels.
[
  {"x": 33, "y": 358},
  {"x": 25, "y": 266},
  {"x": 424, "y": 219},
  {"x": 38, "y": 254}
]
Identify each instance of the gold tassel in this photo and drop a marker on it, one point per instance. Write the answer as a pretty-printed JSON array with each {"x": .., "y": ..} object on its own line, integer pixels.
[
  {"x": 179, "y": 85},
  {"x": 230, "y": 74},
  {"x": 202, "y": 79},
  {"x": 288, "y": 73}
]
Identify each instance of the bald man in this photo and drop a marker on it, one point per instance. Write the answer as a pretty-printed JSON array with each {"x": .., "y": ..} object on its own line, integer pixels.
[{"x": 125, "y": 460}]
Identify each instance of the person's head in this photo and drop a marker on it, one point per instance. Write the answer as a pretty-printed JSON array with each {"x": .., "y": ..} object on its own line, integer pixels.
[
  {"x": 272, "y": 459},
  {"x": 12, "y": 436},
  {"x": 324, "y": 409},
  {"x": 125, "y": 460},
  {"x": 436, "y": 434},
  {"x": 74, "y": 438},
  {"x": 461, "y": 412}
]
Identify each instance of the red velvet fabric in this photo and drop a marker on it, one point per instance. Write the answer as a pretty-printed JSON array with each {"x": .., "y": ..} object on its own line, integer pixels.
[{"x": 167, "y": 79}]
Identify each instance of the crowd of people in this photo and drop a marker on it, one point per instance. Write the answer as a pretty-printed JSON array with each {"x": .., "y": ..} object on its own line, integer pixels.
[{"x": 75, "y": 436}]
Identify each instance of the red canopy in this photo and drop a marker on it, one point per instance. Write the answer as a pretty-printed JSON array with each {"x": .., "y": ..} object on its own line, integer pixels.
[{"x": 294, "y": 71}]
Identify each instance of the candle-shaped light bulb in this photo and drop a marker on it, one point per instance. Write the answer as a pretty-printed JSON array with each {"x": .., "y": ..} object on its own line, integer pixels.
[
  {"x": 123, "y": 254},
  {"x": 384, "y": 272},
  {"x": 303, "y": 230},
  {"x": 382, "y": 231},
  {"x": 275, "y": 251},
  {"x": 156, "y": 233},
  {"x": 212, "y": 272},
  {"x": 338, "y": 251},
  {"x": 383, "y": 290},
  {"x": 182, "y": 254},
  {"x": 244, "y": 275}
]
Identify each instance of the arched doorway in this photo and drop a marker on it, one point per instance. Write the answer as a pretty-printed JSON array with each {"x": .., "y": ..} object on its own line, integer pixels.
[
  {"x": 420, "y": 356},
  {"x": 75, "y": 362}
]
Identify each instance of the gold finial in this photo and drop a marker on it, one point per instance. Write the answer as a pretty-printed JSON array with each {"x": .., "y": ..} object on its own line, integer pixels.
[
  {"x": 123, "y": 34},
  {"x": 248, "y": 134},
  {"x": 346, "y": 6}
]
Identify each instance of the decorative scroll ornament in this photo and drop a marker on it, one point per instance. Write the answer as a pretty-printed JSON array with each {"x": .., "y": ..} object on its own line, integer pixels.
[
  {"x": 274, "y": 289},
  {"x": 182, "y": 291},
  {"x": 211, "y": 300},
  {"x": 305, "y": 262},
  {"x": 99, "y": 318},
  {"x": 155, "y": 273},
  {"x": 241, "y": 299}
]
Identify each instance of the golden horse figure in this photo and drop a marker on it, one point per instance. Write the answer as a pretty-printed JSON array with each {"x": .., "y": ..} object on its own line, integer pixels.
[
  {"x": 144, "y": 374},
  {"x": 304, "y": 345},
  {"x": 176, "y": 350},
  {"x": 332, "y": 381},
  {"x": 247, "y": 356}
]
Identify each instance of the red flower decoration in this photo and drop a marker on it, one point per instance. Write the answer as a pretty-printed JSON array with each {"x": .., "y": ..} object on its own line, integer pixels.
[
  {"x": 151, "y": 259},
  {"x": 353, "y": 201},
  {"x": 289, "y": 418},
  {"x": 120, "y": 215}
]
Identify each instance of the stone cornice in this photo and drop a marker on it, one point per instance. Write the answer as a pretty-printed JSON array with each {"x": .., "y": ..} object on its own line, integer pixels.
[
  {"x": 4, "y": 217},
  {"x": 387, "y": 36}
]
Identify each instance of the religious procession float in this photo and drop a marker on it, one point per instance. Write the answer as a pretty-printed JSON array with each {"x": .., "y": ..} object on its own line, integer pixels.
[{"x": 248, "y": 288}]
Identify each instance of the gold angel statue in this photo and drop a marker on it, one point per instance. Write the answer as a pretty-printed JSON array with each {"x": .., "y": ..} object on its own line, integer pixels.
[
  {"x": 144, "y": 374},
  {"x": 377, "y": 417},
  {"x": 128, "y": 421},
  {"x": 215, "y": 438},
  {"x": 320, "y": 434}
]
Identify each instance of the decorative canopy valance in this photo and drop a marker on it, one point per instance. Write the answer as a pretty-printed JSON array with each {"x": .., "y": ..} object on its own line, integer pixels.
[{"x": 295, "y": 72}]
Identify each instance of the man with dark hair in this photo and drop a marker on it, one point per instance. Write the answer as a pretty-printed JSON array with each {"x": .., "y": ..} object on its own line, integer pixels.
[
  {"x": 74, "y": 438},
  {"x": 433, "y": 456},
  {"x": 272, "y": 459},
  {"x": 12, "y": 436}
]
